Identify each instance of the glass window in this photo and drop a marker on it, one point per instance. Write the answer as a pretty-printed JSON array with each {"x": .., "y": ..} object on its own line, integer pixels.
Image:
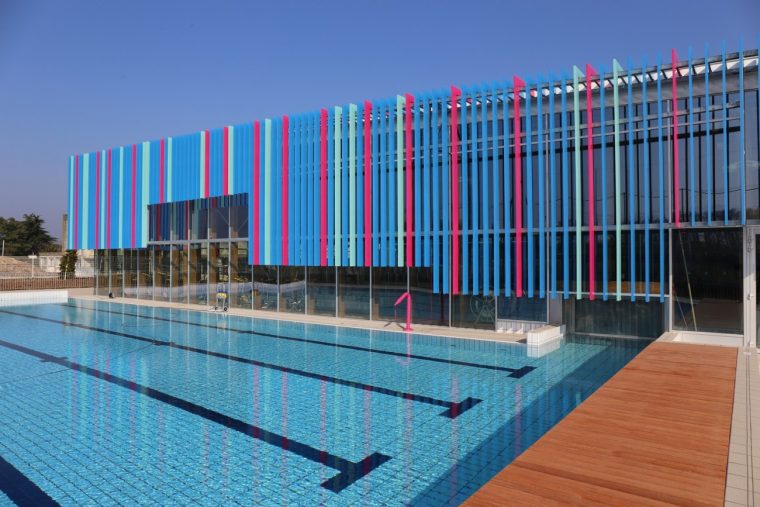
[
  {"x": 179, "y": 273},
  {"x": 198, "y": 273},
  {"x": 130, "y": 273},
  {"x": 163, "y": 272},
  {"x": 180, "y": 216},
  {"x": 707, "y": 280},
  {"x": 239, "y": 216},
  {"x": 145, "y": 278},
  {"x": 615, "y": 318},
  {"x": 219, "y": 273},
  {"x": 387, "y": 285},
  {"x": 353, "y": 292},
  {"x": 240, "y": 276},
  {"x": 292, "y": 289},
  {"x": 427, "y": 307},
  {"x": 265, "y": 288},
  {"x": 321, "y": 291},
  {"x": 473, "y": 311},
  {"x": 198, "y": 220},
  {"x": 514, "y": 308},
  {"x": 117, "y": 273},
  {"x": 102, "y": 285},
  {"x": 218, "y": 218}
]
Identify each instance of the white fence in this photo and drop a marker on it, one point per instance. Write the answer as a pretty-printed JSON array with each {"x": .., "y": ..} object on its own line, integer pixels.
[{"x": 36, "y": 297}]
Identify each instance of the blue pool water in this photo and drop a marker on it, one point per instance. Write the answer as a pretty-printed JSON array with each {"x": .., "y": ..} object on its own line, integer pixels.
[{"x": 106, "y": 403}]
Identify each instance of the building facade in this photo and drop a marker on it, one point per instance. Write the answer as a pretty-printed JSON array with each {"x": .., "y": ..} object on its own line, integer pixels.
[{"x": 619, "y": 200}]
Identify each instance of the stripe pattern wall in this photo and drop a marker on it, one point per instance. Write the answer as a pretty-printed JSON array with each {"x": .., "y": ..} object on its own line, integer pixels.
[{"x": 492, "y": 186}]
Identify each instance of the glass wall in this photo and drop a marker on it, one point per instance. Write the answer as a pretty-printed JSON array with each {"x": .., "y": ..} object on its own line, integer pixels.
[
  {"x": 238, "y": 216},
  {"x": 198, "y": 220},
  {"x": 117, "y": 272},
  {"x": 708, "y": 280},
  {"x": 162, "y": 274},
  {"x": 179, "y": 273},
  {"x": 514, "y": 308},
  {"x": 321, "y": 291},
  {"x": 292, "y": 289},
  {"x": 101, "y": 267},
  {"x": 353, "y": 292},
  {"x": 218, "y": 218},
  {"x": 145, "y": 276},
  {"x": 473, "y": 311},
  {"x": 130, "y": 273},
  {"x": 241, "y": 286},
  {"x": 265, "y": 288},
  {"x": 198, "y": 273},
  {"x": 219, "y": 272},
  {"x": 616, "y": 318},
  {"x": 388, "y": 284},
  {"x": 427, "y": 307}
]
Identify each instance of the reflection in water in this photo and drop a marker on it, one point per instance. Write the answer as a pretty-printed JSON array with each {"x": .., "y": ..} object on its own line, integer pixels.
[{"x": 296, "y": 426}]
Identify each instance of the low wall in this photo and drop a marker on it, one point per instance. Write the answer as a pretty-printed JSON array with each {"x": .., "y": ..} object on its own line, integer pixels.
[{"x": 17, "y": 298}]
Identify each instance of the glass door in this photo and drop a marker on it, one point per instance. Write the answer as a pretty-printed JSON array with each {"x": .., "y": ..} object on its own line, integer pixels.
[{"x": 751, "y": 263}]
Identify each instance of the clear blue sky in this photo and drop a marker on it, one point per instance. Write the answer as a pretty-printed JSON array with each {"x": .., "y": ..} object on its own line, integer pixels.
[{"x": 82, "y": 75}]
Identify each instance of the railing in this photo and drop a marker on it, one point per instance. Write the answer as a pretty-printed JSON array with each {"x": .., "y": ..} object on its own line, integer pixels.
[{"x": 46, "y": 283}]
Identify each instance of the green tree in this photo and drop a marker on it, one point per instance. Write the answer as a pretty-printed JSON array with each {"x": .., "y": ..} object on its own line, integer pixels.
[
  {"x": 68, "y": 264},
  {"x": 25, "y": 237}
]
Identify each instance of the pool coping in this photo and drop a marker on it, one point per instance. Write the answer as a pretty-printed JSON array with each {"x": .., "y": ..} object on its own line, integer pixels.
[{"x": 347, "y": 322}]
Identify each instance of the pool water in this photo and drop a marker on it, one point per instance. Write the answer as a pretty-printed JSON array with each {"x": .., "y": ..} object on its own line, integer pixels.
[{"x": 108, "y": 403}]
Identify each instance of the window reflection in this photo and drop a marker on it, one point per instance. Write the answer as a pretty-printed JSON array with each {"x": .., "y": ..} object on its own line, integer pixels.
[
  {"x": 387, "y": 285},
  {"x": 219, "y": 273},
  {"x": 162, "y": 272},
  {"x": 179, "y": 273},
  {"x": 353, "y": 292},
  {"x": 198, "y": 273},
  {"x": 292, "y": 289},
  {"x": 707, "y": 280},
  {"x": 241, "y": 286},
  {"x": 321, "y": 291},
  {"x": 265, "y": 288},
  {"x": 145, "y": 277}
]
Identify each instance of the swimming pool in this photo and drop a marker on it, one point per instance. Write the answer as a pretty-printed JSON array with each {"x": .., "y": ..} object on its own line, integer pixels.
[{"x": 109, "y": 403}]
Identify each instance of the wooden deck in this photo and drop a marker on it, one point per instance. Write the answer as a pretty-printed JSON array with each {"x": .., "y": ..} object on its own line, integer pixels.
[{"x": 656, "y": 433}]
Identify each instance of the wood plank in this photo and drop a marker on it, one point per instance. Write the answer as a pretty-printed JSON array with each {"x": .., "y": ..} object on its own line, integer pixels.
[{"x": 657, "y": 433}]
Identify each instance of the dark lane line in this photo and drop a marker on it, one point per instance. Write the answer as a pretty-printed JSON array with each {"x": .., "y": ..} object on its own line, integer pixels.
[
  {"x": 453, "y": 409},
  {"x": 514, "y": 372},
  {"x": 349, "y": 471},
  {"x": 20, "y": 489}
]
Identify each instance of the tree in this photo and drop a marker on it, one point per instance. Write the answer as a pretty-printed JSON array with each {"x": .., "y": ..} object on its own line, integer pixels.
[
  {"x": 25, "y": 237},
  {"x": 68, "y": 264}
]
